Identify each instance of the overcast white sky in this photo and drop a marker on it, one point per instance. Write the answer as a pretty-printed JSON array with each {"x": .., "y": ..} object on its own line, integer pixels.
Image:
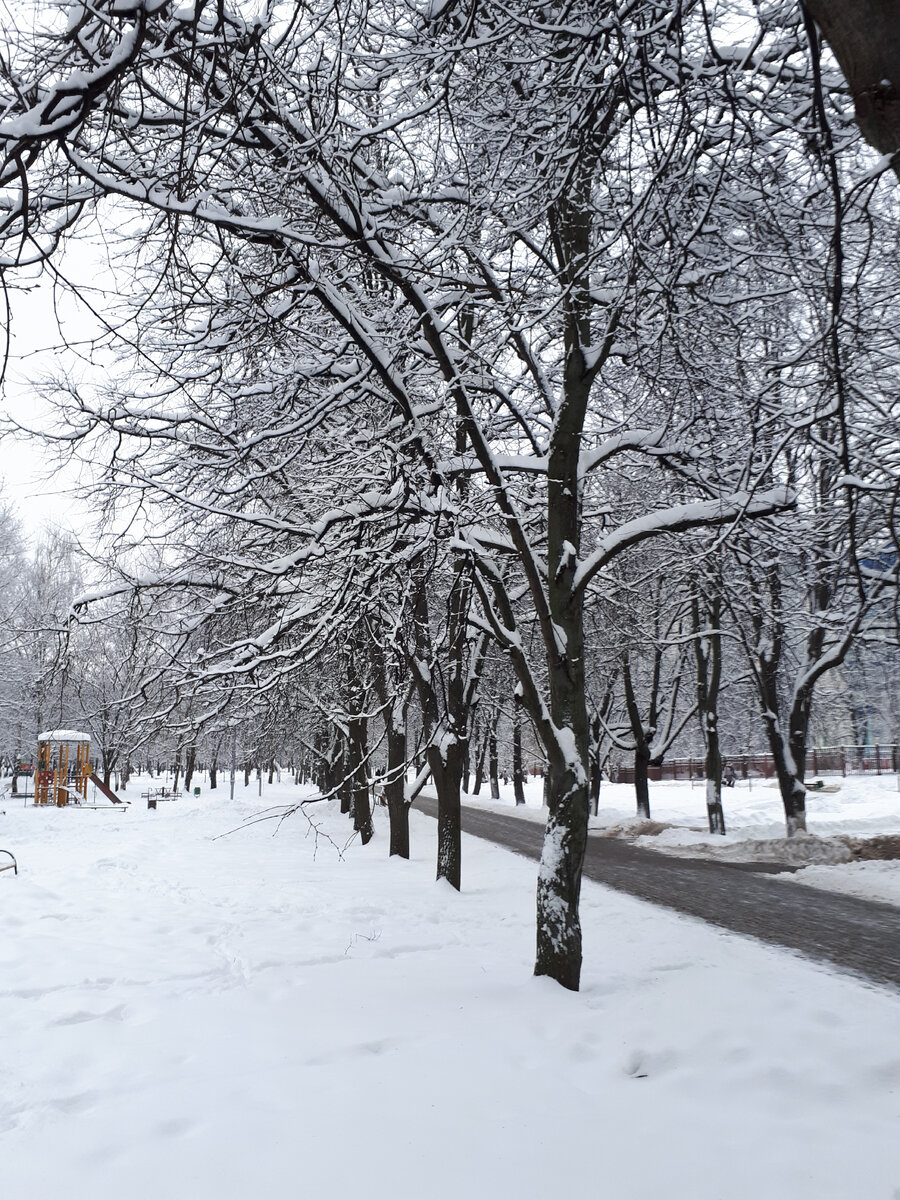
[{"x": 50, "y": 335}]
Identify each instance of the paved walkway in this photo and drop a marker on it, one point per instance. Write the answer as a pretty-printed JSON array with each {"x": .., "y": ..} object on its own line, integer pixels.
[{"x": 856, "y": 935}]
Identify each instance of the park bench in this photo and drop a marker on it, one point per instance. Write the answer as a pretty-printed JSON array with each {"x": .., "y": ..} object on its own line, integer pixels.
[
  {"x": 10, "y": 866},
  {"x": 154, "y": 795}
]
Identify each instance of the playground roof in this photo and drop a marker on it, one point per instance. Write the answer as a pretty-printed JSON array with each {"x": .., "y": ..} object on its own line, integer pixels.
[{"x": 63, "y": 735}]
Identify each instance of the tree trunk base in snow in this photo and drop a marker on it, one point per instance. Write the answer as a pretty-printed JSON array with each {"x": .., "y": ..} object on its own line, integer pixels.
[
  {"x": 398, "y": 816},
  {"x": 559, "y": 948}
]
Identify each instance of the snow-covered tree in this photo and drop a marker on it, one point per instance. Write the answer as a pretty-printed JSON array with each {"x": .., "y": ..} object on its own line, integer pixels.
[{"x": 449, "y": 275}]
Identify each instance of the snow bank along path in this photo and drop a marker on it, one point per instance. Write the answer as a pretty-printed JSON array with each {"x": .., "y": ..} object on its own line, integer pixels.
[
  {"x": 196, "y": 1018},
  {"x": 861, "y": 807}
]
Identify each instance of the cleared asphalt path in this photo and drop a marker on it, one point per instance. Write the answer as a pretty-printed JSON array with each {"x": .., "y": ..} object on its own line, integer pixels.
[{"x": 857, "y": 935}]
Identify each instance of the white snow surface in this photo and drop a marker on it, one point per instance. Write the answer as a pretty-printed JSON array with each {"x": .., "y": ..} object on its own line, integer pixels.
[
  {"x": 869, "y": 880},
  {"x": 63, "y": 735},
  {"x": 208, "y": 1018}
]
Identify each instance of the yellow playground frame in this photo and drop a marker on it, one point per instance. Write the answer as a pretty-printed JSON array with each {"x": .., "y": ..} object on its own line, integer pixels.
[{"x": 63, "y": 767}]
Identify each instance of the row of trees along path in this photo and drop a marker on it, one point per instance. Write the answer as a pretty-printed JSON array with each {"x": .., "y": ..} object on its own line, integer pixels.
[{"x": 497, "y": 294}]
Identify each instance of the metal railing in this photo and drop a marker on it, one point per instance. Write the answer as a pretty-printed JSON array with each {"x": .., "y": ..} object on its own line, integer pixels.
[{"x": 820, "y": 760}]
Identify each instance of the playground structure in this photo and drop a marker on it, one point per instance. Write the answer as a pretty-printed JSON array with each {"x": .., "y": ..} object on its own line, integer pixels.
[{"x": 64, "y": 769}]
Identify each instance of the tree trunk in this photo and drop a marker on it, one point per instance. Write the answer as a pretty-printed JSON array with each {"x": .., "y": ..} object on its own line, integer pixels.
[
  {"x": 448, "y": 736},
  {"x": 640, "y": 732},
  {"x": 493, "y": 764},
  {"x": 518, "y": 774},
  {"x": 395, "y": 785},
  {"x": 793, "y": 793},
  {"x": 345, "y": 788},
  {"x": 479, "y": 766},
  {"x": 642, "y": 781},
  {"x": 359, "y": 778},
  {"x": 714, "y": 811},
  {"x": 398, "y": 819},
  {"x": 596, "y": 765},
  {"x": 865, "y": 38},
  {"x": 708, "y": 657},
  {"x": 559, "y": 942},
  {"x": 566, "y": 738},
  {"x": 446, "y": 763},
  {"x": 189, "y": 766},
  {"x": 213, "y": 768}
]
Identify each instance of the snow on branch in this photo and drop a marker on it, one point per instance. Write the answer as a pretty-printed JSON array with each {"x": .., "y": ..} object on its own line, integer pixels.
[
  {"x": 649, "y": 440},
  {"x": 680, "y": 518}
]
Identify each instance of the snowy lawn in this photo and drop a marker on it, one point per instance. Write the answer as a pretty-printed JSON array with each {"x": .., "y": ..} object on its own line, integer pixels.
[
  {"x": 191, "y": 1018},
  {"x": 861, "y": 806}
]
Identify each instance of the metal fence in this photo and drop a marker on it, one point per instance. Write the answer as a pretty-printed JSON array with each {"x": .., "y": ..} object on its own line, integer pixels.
[{"x": 821, "y": 760}]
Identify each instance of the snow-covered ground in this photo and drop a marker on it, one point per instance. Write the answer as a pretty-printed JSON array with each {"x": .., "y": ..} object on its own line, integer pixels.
[
  {"x": 860, "y": 806},
  {"x": 203, "y": 1018}
]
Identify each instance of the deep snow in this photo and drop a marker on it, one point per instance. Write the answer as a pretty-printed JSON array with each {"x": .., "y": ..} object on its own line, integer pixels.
[{"x": 191, "y": 1017}]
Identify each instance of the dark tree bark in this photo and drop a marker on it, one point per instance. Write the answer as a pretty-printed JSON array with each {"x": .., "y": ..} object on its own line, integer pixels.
[
  {"x": 642, "y": 781},
  {"x": 480, "y": 759},
  {"x": 359, "y": 777},
  {"x": 597, "y": 758},
  {"x": 448, "y": 733},
  {"x": 446, "y": 763},
  {"x": 493, "y": 760},
  {"x": 559, "y": 941},
  {"x": 708, "y": 658},
  {"x": 596, "y": 764},
  {"x": 768, "y": 665},
  {"x": 345, "y": 787},
  {"x": 109, "y": 762},
  {"x": 189, "y": 767},
  {"x": 395, "y": 785},
  {"x": 865, "y": 38},
  {"x": 518, "y": 772},
  {"x": 388, "y": 670},
  {"x": 639, "y": 731}
]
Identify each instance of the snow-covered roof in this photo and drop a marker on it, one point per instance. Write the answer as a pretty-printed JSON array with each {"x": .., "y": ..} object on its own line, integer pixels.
[{"x": 63, "y": 735}]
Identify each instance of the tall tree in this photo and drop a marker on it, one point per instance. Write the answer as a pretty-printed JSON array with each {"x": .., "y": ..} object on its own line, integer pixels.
[{"x": 518, "y": 280}]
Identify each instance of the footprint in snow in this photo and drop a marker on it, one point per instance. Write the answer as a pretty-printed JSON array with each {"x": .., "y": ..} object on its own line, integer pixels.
[{"x": 78, "y": 1018}]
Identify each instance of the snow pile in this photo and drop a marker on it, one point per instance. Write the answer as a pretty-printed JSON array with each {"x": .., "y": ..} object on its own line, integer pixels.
[
  {"x": 209, "y": 1019},
  {"x": 850, "y": 810},
  {"x": 869, "y": 880},
  {"x": 801, "y": 849}
]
